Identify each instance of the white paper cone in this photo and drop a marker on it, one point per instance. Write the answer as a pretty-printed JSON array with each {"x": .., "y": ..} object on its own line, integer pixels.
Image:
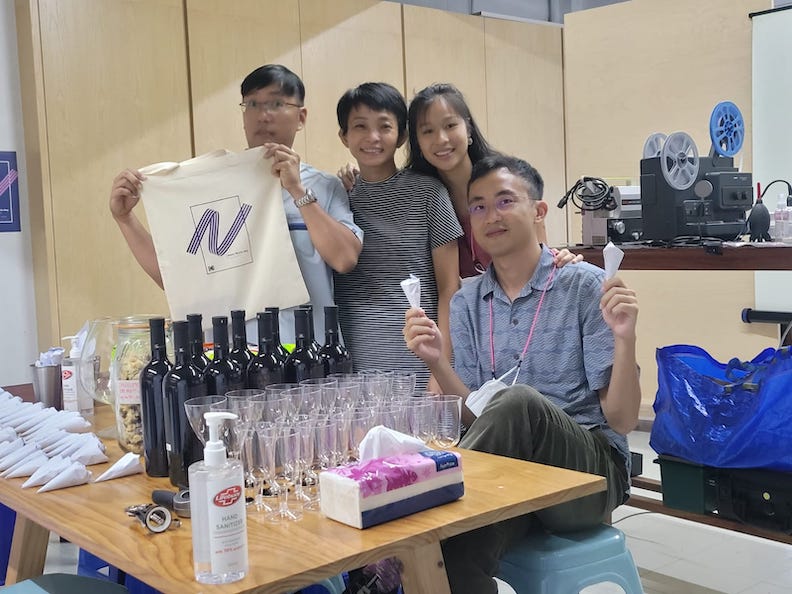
[
  {"x": 128, "y": 464},
  {"x": 13, "y": 457},
  {"x": 412, "y": 290},
  {"x": 90, "y": 453},
  {"x": 26, "y": 467},
  {"x": 49, "y": 470},
  {"x": 75, "y": 474},
  {"x": 612, "y": 257}
]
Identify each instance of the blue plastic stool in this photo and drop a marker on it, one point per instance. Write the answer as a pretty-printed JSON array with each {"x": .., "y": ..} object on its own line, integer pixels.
[
  {"x": 7, "y": 521},
  {"x": 567, "y": 563}
]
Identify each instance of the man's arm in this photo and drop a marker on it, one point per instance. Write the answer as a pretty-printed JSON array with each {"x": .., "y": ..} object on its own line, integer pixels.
[
  {"x": 424, "y": 338},
  {"x": 124, "y": 196},
  {"x": 621, "y": 399},
  {"x": 337, "y": 244}
]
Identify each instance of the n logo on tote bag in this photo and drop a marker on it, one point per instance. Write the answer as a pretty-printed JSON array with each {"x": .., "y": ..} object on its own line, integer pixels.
[{"x": 221, "y": 236}]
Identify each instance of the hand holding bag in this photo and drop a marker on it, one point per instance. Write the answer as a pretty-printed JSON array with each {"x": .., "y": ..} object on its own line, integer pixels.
[{"x": 221, "y": 236}]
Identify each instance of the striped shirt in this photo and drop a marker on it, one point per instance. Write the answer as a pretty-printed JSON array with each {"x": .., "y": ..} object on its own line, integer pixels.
[
  {"x": 403, "y": 219},
  {"x": 571, "y": 353}
]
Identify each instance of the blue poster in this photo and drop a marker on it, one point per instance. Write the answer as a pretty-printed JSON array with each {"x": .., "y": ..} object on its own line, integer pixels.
[{"x": 9, "y": 192}]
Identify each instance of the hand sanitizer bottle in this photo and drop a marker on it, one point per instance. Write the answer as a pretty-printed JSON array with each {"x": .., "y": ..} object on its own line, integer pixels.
[{"x": 217, "y": 511}]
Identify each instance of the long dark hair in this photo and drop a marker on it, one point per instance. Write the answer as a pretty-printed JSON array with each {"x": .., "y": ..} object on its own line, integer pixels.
[{"x": 479, "y": 149}]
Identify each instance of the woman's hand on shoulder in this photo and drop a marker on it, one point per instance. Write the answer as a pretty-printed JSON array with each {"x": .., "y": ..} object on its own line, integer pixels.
[
  {"x": 564, "y": 257},
  {"x": 348, "y": 175}
]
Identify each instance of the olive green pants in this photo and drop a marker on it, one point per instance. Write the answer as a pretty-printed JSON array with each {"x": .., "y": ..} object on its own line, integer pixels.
[{"x": 521, "y": 423}]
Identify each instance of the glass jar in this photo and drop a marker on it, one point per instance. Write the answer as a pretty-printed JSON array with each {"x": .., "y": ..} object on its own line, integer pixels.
[{"x": 132, "y": 353}]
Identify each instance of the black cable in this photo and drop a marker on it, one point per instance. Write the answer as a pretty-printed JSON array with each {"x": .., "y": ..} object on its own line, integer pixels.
[
  {"x": 783, "y": 181},
  {"x": 590, "y": 193}
]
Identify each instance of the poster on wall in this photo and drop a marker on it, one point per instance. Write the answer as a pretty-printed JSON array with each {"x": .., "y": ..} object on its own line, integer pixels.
[{"x": 9, "y": 192}]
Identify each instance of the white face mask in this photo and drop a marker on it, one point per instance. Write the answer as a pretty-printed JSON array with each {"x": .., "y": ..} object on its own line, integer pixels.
[{"x": 479, "y": 399}]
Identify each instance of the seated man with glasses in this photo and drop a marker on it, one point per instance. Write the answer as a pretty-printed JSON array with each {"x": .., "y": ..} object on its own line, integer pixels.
[
  {"x": 322, "y": 230},
  {"x": 554, "y": 347}
]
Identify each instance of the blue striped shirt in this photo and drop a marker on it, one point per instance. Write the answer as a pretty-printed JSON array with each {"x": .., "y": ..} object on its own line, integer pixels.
[{"x": 571, "y": 353}]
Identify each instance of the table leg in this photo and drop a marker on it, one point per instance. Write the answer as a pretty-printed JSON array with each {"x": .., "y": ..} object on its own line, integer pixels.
[
  {"x": 28, "y": 550},
  {"x": 424, "y": 570}
]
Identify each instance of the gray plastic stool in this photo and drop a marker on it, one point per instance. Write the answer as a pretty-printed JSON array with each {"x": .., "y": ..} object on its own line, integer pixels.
[{"x": 567, "y": 563}]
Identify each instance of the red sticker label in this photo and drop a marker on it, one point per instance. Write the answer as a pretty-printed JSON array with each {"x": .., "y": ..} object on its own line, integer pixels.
[
  {"x": 228, "y": 496},
  {"x": 66, "y": 374}
]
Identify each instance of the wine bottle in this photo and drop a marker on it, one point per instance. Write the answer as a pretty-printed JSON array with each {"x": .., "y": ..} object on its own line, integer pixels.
[
  {"x": 196, "y": 338},
  {"x": 311, "y": 334},
  {"x": 151, "y": 400},
  {"x": 280, "y": 350},
  {"x": 182, "y": 382},
  {"x": 334, "y": 356},
  {"x": 302, "y": 362},
  {"x": 265, "y": 368},
  {"x": 223, "y": 374},
  {"x": 239, "y": 347}
]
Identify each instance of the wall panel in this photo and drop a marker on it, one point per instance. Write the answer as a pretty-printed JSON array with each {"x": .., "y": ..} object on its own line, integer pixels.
[
  {"x": 112, "y": 101},
  {"x": 227, "y": 40},
  {"x": 344, "y": 43},
  {"x": 525, "y": 104},
  {"x": 640, "y": 67},
  {"x": 445, "y": 47}
]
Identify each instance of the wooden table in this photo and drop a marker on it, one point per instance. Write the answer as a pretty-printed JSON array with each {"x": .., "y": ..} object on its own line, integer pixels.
[
  {"x": 282, "y": 557},
  {"x": 709, "y": 257}
]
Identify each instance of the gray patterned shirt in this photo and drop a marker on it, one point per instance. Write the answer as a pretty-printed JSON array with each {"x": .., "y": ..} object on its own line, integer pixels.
[{"x": 571, "y": 352}]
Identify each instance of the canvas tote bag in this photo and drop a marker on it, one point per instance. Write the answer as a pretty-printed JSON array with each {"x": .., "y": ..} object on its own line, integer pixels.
[{"x": 221, "y": 235}]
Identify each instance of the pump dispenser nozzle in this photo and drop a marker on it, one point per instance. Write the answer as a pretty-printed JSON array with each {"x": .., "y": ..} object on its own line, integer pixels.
[{"x": 214, "y": 451}]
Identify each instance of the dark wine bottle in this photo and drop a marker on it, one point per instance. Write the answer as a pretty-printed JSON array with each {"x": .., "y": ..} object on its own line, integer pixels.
[
  {"x": 265, "y": 368},
  {"x": 223, "y": 374},
  {"x": 302, "y": 362},
  {"x": 280, "y": 350},
  {"x": 151, "y": 399},
  {"x": 182, "y": 382},
  {"x": 239, "y": 346},
  {"x": 196, "y": 338},
  {"x": 333, "y": 355},
  {"x": 311, "y": 334}
]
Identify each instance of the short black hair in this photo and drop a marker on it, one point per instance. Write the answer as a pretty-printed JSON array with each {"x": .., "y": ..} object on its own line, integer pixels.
[
  {"x": 378, "y": 96},
  {"x": 515, "y": 166},
  {"x": 478, "y": 148},
  {"x": 269, "y": 74}
]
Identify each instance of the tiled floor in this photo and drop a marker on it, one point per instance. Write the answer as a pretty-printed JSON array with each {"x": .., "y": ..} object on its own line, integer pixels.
[{"x": 673, "y": 556}]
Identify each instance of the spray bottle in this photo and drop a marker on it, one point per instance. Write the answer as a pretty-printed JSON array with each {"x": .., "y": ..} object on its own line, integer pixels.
[{"x": 217, "y": 511}]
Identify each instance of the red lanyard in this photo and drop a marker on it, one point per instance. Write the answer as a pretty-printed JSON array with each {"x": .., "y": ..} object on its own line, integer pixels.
[{"x": 530, "y": 333}]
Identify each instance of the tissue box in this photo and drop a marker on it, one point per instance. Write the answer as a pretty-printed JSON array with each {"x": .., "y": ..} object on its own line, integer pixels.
[{"x": 382, "y": 489}]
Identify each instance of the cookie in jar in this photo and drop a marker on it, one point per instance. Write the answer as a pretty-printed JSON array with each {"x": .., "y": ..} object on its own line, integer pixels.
[{"x": 132, "y": 354}]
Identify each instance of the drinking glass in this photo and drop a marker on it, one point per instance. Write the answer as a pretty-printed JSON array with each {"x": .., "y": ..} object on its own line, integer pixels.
[
  {"x": 402, "y": 385},
  {"x": 421, "y": 418},
  {"x": 310, "y": 464},
  {"x": 360, "y": 421},
  {"x": 447, "y": 417},
  {"x": 195, "y": 409},
  {"x": 285, "y": 472},
  {"x": 265, "y": 434}
]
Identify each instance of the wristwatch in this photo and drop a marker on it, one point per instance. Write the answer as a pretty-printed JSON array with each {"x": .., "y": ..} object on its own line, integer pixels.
[{"x": 307, "y": 199}]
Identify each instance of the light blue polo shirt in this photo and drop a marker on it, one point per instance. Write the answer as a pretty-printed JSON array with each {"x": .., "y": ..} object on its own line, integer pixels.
[
  {"x": 571, "y": 352},
  {"x": 318, "y": 276}
]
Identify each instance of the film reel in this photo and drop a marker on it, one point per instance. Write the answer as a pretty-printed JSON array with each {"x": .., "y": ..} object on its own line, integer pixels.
[
  {"x": 653, "y": 145},
  {"x": 727, "y": 129},
  {"x": 679, "y": 161}
]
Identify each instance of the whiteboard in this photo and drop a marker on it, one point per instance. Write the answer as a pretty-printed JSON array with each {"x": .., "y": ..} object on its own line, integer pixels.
[{"x": 772, "y": 134}]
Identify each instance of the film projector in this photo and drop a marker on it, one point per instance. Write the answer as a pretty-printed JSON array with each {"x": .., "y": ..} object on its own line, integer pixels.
[{"x": 684, "y": 195}]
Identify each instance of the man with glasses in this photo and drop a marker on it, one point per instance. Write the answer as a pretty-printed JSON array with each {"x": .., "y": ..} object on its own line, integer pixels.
[
  {"x": 554, "y": 347},
  {"x": 317, "y": 209}
]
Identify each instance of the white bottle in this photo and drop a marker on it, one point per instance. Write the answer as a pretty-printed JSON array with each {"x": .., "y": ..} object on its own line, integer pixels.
[
  {"x": 779, "y": 218},
  {"x": 217, "y": 511},
  {"x": 75, "y": 397}
]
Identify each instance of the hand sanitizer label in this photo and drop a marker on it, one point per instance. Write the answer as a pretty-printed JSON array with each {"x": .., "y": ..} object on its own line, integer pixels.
[{"x": 227, "y": 527}]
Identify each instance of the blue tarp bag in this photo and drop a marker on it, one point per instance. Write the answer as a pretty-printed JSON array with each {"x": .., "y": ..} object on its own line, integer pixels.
[{"x": 728, "y": 415}]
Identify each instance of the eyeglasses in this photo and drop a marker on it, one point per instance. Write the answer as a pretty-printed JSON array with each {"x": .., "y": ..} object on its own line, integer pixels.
[
  {"x": 274, "y": 106},
  {"x": 479, "y": 209}
]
